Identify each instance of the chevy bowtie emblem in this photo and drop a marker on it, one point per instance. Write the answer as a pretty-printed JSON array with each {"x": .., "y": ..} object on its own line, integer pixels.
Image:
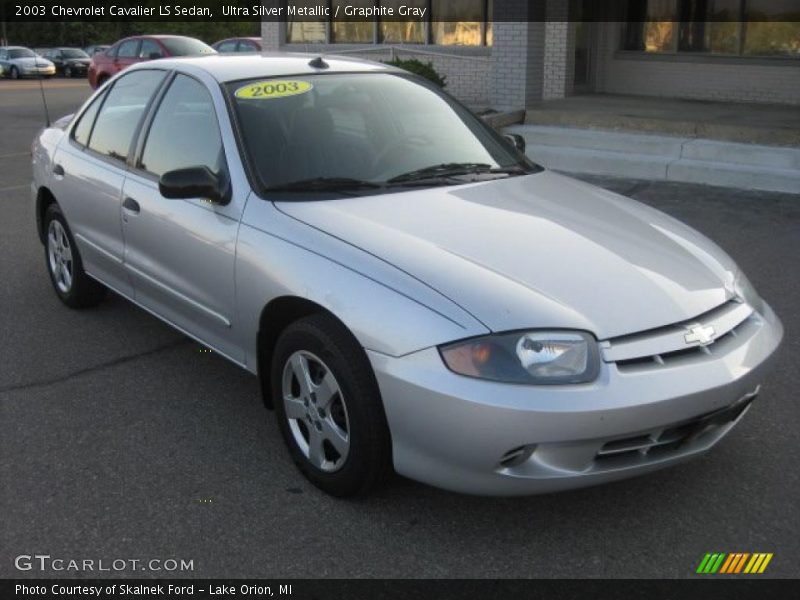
[{"x": 701, "y": 335}]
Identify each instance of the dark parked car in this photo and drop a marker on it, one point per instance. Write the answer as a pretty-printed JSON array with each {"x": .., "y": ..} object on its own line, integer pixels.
[
  {"x": 238, "y": 44},
  {"x": 69, "y": 62},
  {"x": 132, "y": 50}
]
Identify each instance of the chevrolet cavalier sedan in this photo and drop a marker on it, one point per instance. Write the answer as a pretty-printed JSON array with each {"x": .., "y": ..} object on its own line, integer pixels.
[{"x": 414, "y": 293}]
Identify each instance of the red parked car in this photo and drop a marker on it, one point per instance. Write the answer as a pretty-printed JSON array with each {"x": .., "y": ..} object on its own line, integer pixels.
[
  {"x": 132, "y": 50},
  {"x": 238, "y": 44}
]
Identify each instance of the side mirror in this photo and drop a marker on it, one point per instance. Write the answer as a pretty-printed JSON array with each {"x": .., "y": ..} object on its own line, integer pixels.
[
  {"x": 517, "y": 141},
  {"x": 155, "y": 55},
  {"x": 194, "y": 182}
]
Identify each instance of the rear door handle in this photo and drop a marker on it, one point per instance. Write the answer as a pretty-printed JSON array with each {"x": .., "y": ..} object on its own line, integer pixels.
[
  {"x": 131, "y": 205},
  {"x": 58, "y": 170}
]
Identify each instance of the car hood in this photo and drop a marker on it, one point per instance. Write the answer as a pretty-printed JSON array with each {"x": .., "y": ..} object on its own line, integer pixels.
[{"x": 542, "y": 250}]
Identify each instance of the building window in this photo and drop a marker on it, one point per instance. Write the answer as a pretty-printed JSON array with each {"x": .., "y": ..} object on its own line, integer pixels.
[
  {"x": 725, "y": 27},
  {"x": 306, "y": 31},
  {"x": 447, "y": 23},
  {"x": 404, "y": 32}
]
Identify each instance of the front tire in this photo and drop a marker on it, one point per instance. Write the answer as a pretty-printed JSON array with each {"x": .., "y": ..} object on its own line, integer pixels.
[
  {"x": 71, "y": 283},
  {"x": 329, "y": 407}
]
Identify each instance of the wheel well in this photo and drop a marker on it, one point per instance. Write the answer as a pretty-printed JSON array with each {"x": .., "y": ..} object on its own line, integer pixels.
[
  {"x": 276, "y": 316},
  {"x": 44, "y": 198}
]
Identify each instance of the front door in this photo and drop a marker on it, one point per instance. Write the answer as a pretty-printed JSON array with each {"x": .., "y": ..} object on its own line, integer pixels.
[{"x": 180, "y": 253}]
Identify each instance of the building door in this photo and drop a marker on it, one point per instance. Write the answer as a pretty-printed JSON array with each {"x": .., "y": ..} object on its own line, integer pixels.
[{"x": 580, "y": 12}]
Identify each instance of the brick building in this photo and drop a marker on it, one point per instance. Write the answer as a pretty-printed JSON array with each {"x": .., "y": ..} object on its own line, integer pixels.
[{"x": 495, "y": 59}]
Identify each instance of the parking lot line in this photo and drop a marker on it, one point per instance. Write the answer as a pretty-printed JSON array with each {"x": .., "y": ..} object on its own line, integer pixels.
[{"x": 14, "y": 187}]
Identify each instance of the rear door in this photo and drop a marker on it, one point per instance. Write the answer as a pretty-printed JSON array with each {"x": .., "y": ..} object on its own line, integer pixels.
[
  {"x": 89, "y": 171},
  {"x": 180, "y": 253}
]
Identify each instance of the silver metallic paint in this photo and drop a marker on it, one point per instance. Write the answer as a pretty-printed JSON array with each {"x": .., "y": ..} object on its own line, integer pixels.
[{"x": 406, "y": 272}]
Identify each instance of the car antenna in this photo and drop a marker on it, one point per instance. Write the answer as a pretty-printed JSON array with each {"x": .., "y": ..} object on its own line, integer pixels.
[
  {"x": 318, "y": 63},
  {"x": 41, "y": 89}
]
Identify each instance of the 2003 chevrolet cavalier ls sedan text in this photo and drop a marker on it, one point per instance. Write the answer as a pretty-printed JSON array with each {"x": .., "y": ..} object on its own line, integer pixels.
[{"x": 413, "y": 292}]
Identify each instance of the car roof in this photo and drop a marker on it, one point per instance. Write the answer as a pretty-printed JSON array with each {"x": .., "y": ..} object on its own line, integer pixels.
[
  {"x": 158, "y": 36},
  {"x": 252, "y": 38},
  {"x": 227, "y": 67}
]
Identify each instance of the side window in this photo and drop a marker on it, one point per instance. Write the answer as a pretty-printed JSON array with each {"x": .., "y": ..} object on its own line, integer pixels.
[
  {"x": 149, "y": 47},
  {"x": 247, "y": 46},
  {"x": 227, "y": 47},
  {"x": 84, "y": 127},
  {"x": 121, "y": 112},
  {"x": 184, "y": 132},
  {"x": 128, "y": 49}
]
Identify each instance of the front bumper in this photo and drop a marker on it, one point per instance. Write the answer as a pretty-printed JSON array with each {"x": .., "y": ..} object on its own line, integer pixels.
[
  {"x": 490, "y": 438},
  {"x": 36, "y": 71},
  {"x": 76, "y": 69}
]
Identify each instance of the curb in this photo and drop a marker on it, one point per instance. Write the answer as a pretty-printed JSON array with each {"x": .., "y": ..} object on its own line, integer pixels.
[{"x": 661, "y": 157}]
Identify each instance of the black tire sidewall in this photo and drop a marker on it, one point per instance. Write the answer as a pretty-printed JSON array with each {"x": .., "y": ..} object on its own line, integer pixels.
[
  {"x": 370, "y": 444},
  {"x": 14, "y": 73}
]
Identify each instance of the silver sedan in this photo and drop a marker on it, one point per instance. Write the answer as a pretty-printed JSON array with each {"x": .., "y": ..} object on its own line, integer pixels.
[{"x": 415, "y": 294}]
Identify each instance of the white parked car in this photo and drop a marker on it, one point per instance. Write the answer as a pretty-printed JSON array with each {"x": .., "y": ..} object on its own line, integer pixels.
[
  {"x": 18, "y": 62},
  {"x": 414, "y": 293}
]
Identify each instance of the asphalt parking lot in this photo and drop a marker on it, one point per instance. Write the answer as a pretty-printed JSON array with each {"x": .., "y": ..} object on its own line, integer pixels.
[{"x": 120, "y": 438}]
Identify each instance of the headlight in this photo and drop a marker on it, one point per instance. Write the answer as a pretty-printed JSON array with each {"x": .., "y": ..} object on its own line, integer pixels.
[
  {"x": 745, "y": 290},
  {"x": 533, "y": 357}
]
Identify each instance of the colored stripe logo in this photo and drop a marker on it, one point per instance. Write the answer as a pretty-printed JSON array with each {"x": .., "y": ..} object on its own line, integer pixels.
[{"x": 734, "y": 563}]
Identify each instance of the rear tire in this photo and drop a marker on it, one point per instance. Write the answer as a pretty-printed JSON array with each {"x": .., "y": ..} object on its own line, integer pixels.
[
  {"x": 14, "y": 73},
  {"x": 333, "y": 424},
  {"x": 72, "y": 285}
]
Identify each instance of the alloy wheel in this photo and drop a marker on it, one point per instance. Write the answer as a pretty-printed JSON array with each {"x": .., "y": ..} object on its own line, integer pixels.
[
  {"x": 316, "y": 411},
  {"x": 59, "y": 253}
]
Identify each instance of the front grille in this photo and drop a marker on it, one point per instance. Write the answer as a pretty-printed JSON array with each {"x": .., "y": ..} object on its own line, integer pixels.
[{"x": 668, "y": 346}]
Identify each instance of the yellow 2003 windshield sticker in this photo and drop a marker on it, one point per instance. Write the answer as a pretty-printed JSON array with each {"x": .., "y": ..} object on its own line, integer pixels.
[{"x": 267, "y": 90}]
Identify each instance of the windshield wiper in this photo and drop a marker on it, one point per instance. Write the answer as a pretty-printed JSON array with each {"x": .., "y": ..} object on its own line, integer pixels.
[
  {"x": 445, "y": 170},
  {"x": 323, "y": 184}
]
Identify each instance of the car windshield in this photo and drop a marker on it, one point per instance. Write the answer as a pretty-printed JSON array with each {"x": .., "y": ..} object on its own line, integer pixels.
[
  {"x": 359, "y": 131},
  {"x": 21, "y": 53},
  {"x": 181, "y": 46},
  {"x": 73, "y": 53}
]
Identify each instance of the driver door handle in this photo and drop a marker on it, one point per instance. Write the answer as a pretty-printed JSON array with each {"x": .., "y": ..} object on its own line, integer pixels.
[{"x": 131, "y": 205}]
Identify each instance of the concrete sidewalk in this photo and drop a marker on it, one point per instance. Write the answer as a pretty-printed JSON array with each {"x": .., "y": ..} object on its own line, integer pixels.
[
  {"x": 767, "y": 124},
  {"x": 726, "y": 144},
  {"x": 661, "y": 157}
]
